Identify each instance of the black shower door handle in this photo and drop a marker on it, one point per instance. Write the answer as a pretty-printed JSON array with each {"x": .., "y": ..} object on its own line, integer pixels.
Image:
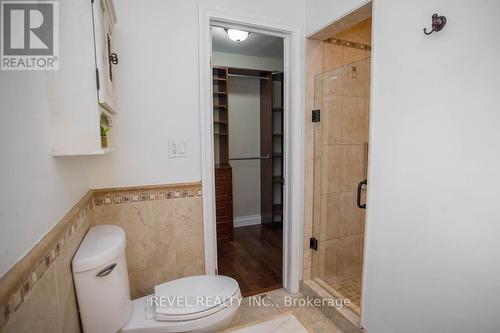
[{"x": 358, "y": 196}]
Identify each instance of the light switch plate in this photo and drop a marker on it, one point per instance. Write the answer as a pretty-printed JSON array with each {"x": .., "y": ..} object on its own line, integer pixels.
[{"x": 177, "y": 148}]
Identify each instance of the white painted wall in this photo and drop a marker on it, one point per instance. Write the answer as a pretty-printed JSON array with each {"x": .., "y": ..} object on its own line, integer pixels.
[
  {"x": 432, "y": 221},
  {"x": 244, "y": 61},
  {"x": 320, "y": 13},
  {"x": 37, "y": 189},
  {"x": 158, "y": 98},
  {"x": 244, "y": 141},
  {"x": 158, "y": 87}
]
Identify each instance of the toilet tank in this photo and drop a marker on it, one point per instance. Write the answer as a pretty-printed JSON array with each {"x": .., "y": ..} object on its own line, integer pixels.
[{"x": 101, "y": 280}]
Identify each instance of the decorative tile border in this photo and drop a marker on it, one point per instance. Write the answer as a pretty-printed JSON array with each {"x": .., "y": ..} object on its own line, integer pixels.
[
  {"x": 127, "y": 196},
  {"x": 98, "y": 198},
  {"x": 347, "y": 43}
]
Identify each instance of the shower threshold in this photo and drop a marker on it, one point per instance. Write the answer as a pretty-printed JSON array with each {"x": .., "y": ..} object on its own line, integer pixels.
[{"x": 346, "y": 318}]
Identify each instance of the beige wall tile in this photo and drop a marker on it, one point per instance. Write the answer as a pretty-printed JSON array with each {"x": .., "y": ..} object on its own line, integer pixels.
[
  {"x": 354, "y": 120},
  {"x": 314, "y": 54},
  {"x": 332, "y": 83},
  {"x": 351, "y": 217},
  {"x": 356, "y": 79},
  {"x": 196, "y": 267},
  {"x": 39, "y": 312},
  {"x": 144, "y": 237},
  {"x": 332, "y": 56},
  {"x": 350, "y": 254},
  {"x": 352, "y": 55},
  {"x": 330, "y": 216},
  {"x": 307, "y": 262},
  {"x": 359, "y": 33},
  {"x": 328, "y": 251},
  {"x": 164, "y": 239},
  {"x": 330, "y": 169},
  {"x": 188, "y": 229},
  {"x": 331, "y": 121},
  {"x": 352, "y": 166},
  {"x": 142, "y": 282}
]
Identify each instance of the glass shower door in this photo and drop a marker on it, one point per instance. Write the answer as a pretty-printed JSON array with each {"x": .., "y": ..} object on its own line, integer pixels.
[{"x": 340, "y": 156}]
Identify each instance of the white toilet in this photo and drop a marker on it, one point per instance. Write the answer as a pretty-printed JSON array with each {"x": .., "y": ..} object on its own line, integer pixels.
[{"x": 196, "y": 304}]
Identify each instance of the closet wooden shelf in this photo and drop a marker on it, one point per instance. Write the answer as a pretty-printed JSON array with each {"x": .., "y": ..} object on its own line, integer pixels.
[
  {"x": 278, "y": 209},
  {"x": 277, "y": 179},
  {"x": 223, "y": 171},
  {"x": 82, "y": 152}
]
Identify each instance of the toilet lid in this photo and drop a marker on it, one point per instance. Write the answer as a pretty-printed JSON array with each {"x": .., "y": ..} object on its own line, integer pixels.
[{"x": 194, "y": 297}]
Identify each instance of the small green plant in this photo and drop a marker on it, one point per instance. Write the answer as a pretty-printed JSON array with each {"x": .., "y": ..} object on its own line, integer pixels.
[{"x": 104, "y": 131}]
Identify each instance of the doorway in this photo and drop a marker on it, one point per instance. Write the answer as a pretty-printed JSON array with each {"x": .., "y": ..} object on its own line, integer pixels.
[
  {"x": 248, "y": 129},
  {"x": 294, "y": 137}
]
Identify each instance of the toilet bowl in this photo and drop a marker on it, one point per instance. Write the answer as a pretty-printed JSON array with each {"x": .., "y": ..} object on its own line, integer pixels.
[{"x": 197, "y": 304}]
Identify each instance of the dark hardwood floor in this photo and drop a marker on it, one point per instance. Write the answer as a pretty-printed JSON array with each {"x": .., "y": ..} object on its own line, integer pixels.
[{"x": 253, "y": 258}]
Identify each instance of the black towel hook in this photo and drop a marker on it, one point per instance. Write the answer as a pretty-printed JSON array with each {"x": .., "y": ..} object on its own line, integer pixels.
[{"x": 438, "y": 23}]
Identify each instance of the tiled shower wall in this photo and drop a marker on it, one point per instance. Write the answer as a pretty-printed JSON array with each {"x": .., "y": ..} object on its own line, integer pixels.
[
  {"x": 164, "y": 241},
  {"x": 340, "y": 164},
  {"x": 337, "y": 162}
]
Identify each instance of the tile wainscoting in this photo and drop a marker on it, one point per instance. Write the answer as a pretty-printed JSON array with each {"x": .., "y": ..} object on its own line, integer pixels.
[
  {"x": 37, "y": 294},
  {"x": 164, "y": 241},
  {"x": 164, "y": 228}
]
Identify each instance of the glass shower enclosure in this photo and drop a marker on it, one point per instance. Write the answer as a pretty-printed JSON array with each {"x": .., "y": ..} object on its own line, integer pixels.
[{"x": 340, "y": 165}]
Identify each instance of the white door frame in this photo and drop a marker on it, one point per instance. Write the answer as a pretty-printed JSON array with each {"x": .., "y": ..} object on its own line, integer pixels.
[{"x": 293, "y": 208}]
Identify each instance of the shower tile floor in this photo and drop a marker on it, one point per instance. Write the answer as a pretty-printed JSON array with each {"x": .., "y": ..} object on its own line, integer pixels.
[{"x": 348, "y": 287}]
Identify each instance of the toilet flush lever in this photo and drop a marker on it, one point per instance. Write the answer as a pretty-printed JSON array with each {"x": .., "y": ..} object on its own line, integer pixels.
[{"x": 106, "y": 271}]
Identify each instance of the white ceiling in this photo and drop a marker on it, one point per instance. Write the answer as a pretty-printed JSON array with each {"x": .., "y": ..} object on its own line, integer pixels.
[{"x": 258, "y": 45}]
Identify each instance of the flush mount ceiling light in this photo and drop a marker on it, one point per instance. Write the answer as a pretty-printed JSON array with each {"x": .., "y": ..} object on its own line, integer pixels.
[{"x": 237, "y": 35}]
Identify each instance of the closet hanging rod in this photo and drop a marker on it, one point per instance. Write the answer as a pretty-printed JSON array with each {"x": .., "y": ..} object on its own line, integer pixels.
[
  {"x": 249, "y": 76},
  {"x": 265, "y": 157}
]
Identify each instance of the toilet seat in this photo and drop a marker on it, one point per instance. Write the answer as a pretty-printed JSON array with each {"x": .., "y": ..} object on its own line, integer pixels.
[
  {"x": 194, "y": 297},
  {"x": 196, "y": 319}
]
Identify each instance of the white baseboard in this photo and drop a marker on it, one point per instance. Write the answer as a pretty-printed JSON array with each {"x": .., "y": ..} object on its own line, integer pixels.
[{"x": 243, "y": 221}]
